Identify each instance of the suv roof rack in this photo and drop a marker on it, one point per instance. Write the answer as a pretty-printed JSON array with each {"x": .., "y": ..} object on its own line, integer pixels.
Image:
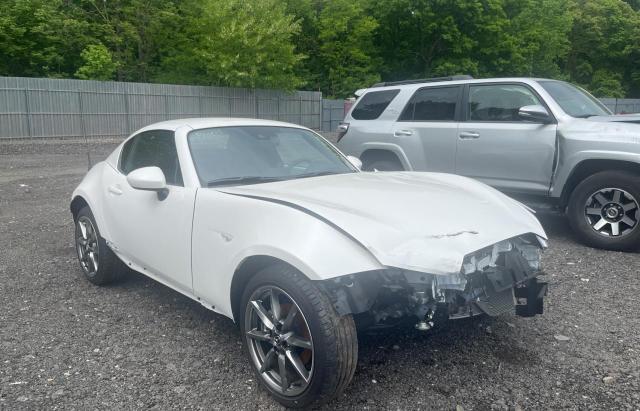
[{"x": 423, "y": 80}]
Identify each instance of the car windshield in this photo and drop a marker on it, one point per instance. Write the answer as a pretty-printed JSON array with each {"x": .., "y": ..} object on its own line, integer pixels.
[
  {"x": 574, "y": 101},
  {"x": 258, "y": 154}
]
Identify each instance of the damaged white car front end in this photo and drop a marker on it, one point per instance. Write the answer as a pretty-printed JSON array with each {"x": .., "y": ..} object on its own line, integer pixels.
[{"x": 448, "y": 246}]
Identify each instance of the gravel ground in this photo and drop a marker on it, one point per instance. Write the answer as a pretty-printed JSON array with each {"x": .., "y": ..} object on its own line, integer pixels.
[{"x": 65, "y": 343}]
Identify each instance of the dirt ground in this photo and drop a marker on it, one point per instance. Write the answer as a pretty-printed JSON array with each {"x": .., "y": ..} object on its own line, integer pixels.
[{"x": 67, "y": 344}]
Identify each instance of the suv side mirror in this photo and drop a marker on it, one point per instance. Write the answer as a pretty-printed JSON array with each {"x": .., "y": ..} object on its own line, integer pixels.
[
  {"x": 149, "y": 179},
  {"x": 355, "y": 161},
  {"x": 535, "y": 112}
]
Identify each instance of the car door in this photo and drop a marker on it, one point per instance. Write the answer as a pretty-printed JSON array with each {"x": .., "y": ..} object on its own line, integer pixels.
[
  {"x": 430, "y": 118},
  {"x": 498, "y": 147},
  {"x": 153, "y": 233}
]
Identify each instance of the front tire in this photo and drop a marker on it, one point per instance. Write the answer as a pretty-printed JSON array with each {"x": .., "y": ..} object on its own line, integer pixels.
[
  {"x": 302, "y": 351},
  {"x": 604, "y": 210},
  {"x": 99, "y": 264}
]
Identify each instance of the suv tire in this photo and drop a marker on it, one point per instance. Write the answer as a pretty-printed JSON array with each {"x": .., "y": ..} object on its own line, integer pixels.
[{"x": 603, "y": 210}]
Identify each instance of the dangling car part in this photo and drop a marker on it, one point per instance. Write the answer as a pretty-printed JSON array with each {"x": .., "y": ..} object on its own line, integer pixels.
[{"x": 269, "y": 224}]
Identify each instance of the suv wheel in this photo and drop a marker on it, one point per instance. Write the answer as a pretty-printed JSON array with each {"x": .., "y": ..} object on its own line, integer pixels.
[
  {"x": 604, "y": 210},
  {"x": 302, "y": 351}
]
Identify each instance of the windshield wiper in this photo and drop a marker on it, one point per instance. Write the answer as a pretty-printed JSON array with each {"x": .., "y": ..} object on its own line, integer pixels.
[{"x": 242, "y": 180}]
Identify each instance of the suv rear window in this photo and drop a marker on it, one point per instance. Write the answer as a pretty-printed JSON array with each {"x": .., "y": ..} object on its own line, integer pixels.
[
  {"x": 432, "y": 104},
  {"x": 372, "y": 104}
]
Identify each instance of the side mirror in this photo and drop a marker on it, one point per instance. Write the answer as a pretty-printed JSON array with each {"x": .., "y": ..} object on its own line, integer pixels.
[
  {"x": 355, "y": 161},
  {"x": 535, "y": 112},
  {"x": 149, "y": 179}
]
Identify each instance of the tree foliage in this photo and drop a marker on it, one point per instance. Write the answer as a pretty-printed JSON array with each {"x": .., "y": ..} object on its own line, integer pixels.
[
  {"x": 336, "y": 46},
  {"x": 98, "y": 63}
]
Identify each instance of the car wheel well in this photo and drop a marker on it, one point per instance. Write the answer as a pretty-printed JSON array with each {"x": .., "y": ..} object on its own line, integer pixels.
[
  {"x": 77, "y": 204},
  {"x": 372, "y": 155},
  {"x": 588, "y": 168},
  {"x": 247, "y": 269}
]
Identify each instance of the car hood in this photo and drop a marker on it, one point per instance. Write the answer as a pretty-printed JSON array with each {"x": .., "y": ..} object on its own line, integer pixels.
[
  {"x": 604, "y": 129},
  {"x": 425, "y": 222},
  {"x": 624, "y": 118}
]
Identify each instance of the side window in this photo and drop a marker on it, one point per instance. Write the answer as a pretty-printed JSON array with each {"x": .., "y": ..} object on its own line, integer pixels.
[
  {"x": 372, "y": 104},
  {"x": 499, "y": 102},
  {"x": 432, "y": 104},
  {"x": 153, "y": 148}
]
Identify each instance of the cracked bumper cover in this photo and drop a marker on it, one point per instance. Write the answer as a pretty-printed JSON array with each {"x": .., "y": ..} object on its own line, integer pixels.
[{"x": 493, "y": 281}]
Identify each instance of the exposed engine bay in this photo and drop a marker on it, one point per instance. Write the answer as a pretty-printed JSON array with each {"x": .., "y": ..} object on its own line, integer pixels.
[{"x": 493, "y": 281}]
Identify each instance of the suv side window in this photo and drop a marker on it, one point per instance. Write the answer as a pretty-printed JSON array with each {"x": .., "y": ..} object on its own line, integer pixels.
[
  {"x": 153, "y": 148},
  {"x": 432, "y": 104},
  {"x": 372, "y": 104},
  {"x": 499, "y": 102}
]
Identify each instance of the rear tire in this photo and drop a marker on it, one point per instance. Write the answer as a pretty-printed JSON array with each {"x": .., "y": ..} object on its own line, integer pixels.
[
  {"x": 603, "y": 210},
  {"x": 98, "y": 263},
  {"x": 325, "y": 344}
]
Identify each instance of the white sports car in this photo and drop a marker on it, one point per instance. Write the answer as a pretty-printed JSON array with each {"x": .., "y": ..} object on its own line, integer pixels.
[{"x": 269, "y": 224}]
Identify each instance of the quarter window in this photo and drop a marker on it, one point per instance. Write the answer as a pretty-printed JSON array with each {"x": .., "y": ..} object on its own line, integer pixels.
[
  {"x": 372, "y": 104},
  {"x": 499, "y": 102},
  {"x": 153, "y": 148},
  {"x": 432, "y": 104}
]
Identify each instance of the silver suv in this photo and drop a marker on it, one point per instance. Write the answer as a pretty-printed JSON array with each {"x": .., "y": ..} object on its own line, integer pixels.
[{"x": 545, "y": 142}]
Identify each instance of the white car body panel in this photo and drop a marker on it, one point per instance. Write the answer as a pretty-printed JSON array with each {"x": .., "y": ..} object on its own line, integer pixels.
[
  {"x": 229, "y": 228},
  {"x": 326, "y": 227},
  {"x": 409, "y": 220}
]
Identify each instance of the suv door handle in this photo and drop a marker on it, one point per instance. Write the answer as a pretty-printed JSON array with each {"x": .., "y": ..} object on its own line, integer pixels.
[
  {"x": 403, "y": 133},
  {"x": 468, "y": 135},
  {"x": 114, "y": 189}
]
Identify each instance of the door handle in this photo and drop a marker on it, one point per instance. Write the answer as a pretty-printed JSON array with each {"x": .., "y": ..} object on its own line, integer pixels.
[
  {"x": 468, "y": 135},
  {"x": 403, "y": 133},
  {"x": 114, "y": 190}
]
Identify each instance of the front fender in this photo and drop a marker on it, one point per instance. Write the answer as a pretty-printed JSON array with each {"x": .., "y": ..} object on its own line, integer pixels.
[
  {"x": 228, "y": 229},
  {"x": 572, "y": 161}
]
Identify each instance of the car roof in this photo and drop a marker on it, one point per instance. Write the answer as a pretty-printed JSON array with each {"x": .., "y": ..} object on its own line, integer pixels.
[
  {"x": 413, "y": 86},
  {"x": 209, "y": 122}
]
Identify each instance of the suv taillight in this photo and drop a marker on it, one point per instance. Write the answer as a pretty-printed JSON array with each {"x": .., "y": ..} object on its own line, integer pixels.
[{"x": 342, "y": 130}]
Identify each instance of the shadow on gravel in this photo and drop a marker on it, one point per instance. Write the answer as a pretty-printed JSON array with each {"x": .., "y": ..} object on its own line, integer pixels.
[{"x": 167, "y": 299}]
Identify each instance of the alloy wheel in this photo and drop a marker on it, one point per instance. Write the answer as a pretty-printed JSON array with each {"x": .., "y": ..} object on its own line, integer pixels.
[
  {"x": 612, "y": 212},
  {"x": 87, "y": 245},
  {"x": 279, "y": 341}
]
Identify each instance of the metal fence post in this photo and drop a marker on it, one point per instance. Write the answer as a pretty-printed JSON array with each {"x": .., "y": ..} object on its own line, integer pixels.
[
  {"x": 300, "y": 109},
  {"x": 127, "y": 111},
  {"x": 83, "y": 129},
  {"x": 255, "y": 104},
  {"x": 28, "y": 111},
  {"x": 278, "y": 107}
]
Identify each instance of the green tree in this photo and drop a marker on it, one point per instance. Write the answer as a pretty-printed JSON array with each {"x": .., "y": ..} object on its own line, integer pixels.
[
  {"x": 605, "y": 47},
  {"x": 98, "y": 63},
  {"x": 347, "y": 53},
  {"x": 240, "y": 43},
  {"x": 40, "y": 38},
  {"x": 541, "y": 29}
]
